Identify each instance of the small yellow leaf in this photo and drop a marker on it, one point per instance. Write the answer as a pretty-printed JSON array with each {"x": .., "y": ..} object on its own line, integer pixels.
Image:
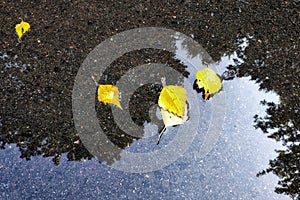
[
  {"x": 173, "y": 99},
  {"x": 109, "y": 94},
  {"x": 22, "y": 28},
  {"x": 209, "y": 81}
]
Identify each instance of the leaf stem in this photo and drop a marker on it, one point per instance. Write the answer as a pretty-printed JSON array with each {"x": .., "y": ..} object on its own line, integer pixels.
[{"x": 160, "y": 134}]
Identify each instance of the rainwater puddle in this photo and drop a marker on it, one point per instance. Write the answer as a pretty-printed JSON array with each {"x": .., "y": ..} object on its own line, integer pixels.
[{"x": 219, "y": 160}]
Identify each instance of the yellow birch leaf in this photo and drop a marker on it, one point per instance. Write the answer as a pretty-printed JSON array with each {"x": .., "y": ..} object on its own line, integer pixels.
[
  {"x": 109, "y": 94},
  {"x": 173, "y": 99},
  {"x": 22, "y": 28},
  {"x": 209, "y": 81}
]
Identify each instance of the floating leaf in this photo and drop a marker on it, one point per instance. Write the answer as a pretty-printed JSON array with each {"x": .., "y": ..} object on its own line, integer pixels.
[
  {"x": 209, "y": 81},
  {"x": 109, "y": 94},
  {"x": 22, "y": 28},
  {"x": 173, "y": 99}
]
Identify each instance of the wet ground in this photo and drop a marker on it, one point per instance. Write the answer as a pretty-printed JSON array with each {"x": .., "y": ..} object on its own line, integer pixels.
[{"x": 37, "y": 78}]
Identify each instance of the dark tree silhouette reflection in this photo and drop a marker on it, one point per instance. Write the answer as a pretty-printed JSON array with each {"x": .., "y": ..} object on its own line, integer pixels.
[
  {"x": 282, "y": 124},
  {"x": 272, "y": 60}
]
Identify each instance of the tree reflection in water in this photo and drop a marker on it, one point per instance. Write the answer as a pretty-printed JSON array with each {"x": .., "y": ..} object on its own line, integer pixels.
[
  {"x": 282, "y": 124},
  {"x": 282, "y": 120}
]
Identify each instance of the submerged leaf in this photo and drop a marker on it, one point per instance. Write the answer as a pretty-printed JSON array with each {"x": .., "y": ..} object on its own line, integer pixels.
[
  {"x": 109, "y": 94},
  {"x": 171, "y": 119},
  {"x": 209, "y": 81},
  {"x": 22, "y": 28}
]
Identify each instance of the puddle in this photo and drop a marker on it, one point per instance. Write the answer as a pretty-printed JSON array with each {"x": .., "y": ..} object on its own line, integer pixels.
[{"x": 222, "y": 164}]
